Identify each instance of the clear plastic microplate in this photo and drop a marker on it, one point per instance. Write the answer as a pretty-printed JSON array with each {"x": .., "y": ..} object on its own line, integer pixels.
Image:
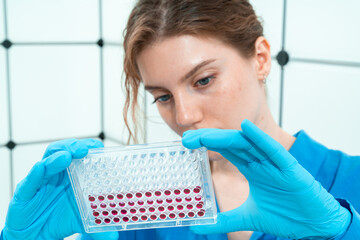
[{"x": 143, "y": 186}]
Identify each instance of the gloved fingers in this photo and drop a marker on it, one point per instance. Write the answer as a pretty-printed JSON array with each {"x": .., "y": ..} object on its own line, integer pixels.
[
  {"x": 92, "y": 143},
  {"x": 73, "y": 215},
  {"x": 191, "y": 138},
  {"x": 214, "y": 138},
  {"x": 230, "y": 221},
  {"x": 28, "y": 187},
  {"x": 42, "y": 170},
  {"x": 77, "y": 148},
  {"x": 56, "y": 163},
  {"x": 221, "y": 140},
  {"x": 239, "y": 160},
  {"x": 274, "y": 150},
  {"x": 105, "y": 236}
]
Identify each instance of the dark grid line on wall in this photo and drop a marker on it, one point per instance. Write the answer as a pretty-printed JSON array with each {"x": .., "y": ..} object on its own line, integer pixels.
[
  {"x": 327, "y": 62},
  {"x": 10, "y": 144},
  {"x": 282, "y": 59},
  {"x": 100, "y": 43},
  {"x": 5, "y": 19},
  {"x": 52, "y": 43}
]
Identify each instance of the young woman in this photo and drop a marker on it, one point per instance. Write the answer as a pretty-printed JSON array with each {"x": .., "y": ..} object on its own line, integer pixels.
[{"x": 205, "y": 63}]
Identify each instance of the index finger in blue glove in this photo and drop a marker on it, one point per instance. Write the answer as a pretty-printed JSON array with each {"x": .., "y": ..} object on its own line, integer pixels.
[
  {"x": 77, "y": 148},
  {"x": 44, "y": 169},
  {"x": 228, "y": 142},
  {"x": 92, "y": 143},
  {"x": 213, "y": 138},
  {"x": 56, "y": 163},
  {"x": 191, "y": 140},
  {"x": 274, "y": 150}
]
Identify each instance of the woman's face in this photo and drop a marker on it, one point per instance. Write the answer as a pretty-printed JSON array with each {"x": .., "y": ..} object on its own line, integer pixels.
[{"x": 202, "y": 83}]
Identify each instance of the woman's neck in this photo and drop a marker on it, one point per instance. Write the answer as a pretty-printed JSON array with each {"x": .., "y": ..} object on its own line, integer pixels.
[{"x": 269, "y": 126}]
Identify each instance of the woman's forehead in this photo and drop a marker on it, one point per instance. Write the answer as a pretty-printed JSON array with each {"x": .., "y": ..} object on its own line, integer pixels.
[{"x": 178, "y": 54}]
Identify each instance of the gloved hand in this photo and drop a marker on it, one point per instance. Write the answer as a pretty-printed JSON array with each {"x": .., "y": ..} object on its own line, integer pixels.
[
  {"x": 44, "y": 206},
  {"x": 284, "y": 200}
]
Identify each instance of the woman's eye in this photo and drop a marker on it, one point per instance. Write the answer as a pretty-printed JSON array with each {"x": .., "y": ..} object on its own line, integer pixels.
[
  {"x": 163, "y": 98},
  {"x": 204, "y": 81}
]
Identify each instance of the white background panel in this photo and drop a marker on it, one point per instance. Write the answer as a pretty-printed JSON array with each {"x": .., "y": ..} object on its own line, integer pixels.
[
  {"x": 53, "y": 20},
  {"x": 324, "y": 101},
  {"x": 24, "y": 158},
  {"x": 2, "y": 26},
  {"x": 114, "y": 97},
  {"x": 115, "y": 14},
  {"x": 55, "y": 92},
  {"x": 4, "y": 123},
  {"x": 4, "y": 184},
  {"x": 271, "y": 13},
  {"x": 329, "y": 30},
  {"x": 273, "y": 90},
  {"x": 156, "y": 128},
  {"x": 110, "y": 143}
]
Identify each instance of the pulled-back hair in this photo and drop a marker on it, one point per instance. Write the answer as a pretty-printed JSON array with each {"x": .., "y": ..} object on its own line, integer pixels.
[{"x": 232, "y": 21}]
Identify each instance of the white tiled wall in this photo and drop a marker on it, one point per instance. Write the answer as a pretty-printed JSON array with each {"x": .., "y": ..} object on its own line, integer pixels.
[
  {"x": 110, "y": 143},
  {"x": 4, "y": 133},
  {"x": 114, "y": 98},
  {"x": 55, "y": 95},
  {"x": 52, "y": 20},
  {"x": 115, "y": 14},
  {"x": 56, "y": 89},
  {"x": 324, "y": 100},
  {"x": 271, "y": 14},
  {"x": 323, "y": 29}
]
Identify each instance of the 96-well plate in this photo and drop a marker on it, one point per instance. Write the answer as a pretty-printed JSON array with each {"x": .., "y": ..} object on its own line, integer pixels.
[{"x": 143, "y": 186}]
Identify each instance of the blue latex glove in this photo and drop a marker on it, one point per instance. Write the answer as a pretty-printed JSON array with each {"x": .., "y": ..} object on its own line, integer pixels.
[
  {"x": 44, "y": 206},
  {"x": 284, "y": 200}
]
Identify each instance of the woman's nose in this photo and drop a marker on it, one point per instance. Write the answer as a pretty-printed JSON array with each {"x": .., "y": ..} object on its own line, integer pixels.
[{"x": 188, "y": 112}]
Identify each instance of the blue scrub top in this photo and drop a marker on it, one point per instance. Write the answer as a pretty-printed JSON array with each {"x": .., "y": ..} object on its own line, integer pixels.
[{"x": 336, "y": 171}]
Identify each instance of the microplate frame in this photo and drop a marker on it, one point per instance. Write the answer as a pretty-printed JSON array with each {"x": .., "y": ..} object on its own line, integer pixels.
[{"x": 143, "y": 186}]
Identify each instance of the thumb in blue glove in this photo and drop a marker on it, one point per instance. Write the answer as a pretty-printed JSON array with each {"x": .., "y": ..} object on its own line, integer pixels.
[
  {"x": 284, "y": 200},
  {"x": 43, "y": 206}
]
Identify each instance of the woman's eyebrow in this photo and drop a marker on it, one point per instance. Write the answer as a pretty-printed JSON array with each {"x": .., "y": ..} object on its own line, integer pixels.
[
  {"x": 152, "y": 88},
  {"x": 197, "y": 68},
  {"x": 187, "y": 75}
]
